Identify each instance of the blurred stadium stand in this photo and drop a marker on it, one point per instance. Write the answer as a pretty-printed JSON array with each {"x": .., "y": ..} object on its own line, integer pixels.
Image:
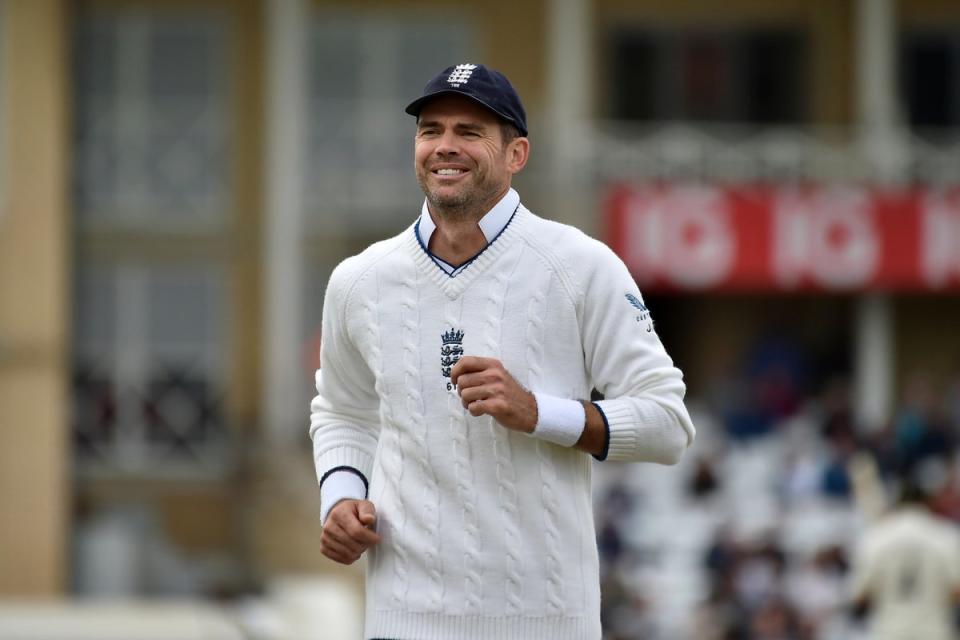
[{"x": 178, "y": 180}]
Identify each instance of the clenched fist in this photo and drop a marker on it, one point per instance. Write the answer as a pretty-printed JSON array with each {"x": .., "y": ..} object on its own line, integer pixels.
[
  {"x": 349, "y": 531},
  {"x": 487, "y": 388}
]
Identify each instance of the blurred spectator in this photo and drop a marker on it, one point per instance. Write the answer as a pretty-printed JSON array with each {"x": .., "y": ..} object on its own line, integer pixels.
[
  {"x": 817, "y": 586},
  {"x": 836, "y": 480},
  {"x": 774, "y": 620},
  {"x": 704, "y": 481},
  {"x": 907, "y": 571},
  {"x": 625, "y": 614},
  {"x": 918, "y": 428},
  {"x": 771, "y": 388},
  {"x": 777, "y": 461},
  {"x": 800, "y": 477},
  {"x": 759, "y": 575},
  {"x": 614, "y": 510},
  {"x": 951, "y": 398},
  {"x": 722, "y": 556},
  {"x": 945, "y": 499},
  {"x": 720, "y": 617},
  {"x": 742, "y": 413}
]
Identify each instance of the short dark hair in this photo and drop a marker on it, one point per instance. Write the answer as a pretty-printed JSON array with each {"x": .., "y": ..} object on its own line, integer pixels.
[{"x": 508, "y": 132}]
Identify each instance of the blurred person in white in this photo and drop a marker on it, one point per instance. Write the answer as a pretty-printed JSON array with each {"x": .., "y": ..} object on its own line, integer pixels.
[
  {"x": 816, "y": 588},
  {"x": 452, "y": 432},
  {"x": 906, "y": 572}
]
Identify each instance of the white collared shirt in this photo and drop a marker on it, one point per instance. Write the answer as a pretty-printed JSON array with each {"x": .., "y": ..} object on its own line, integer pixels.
[{"x": 492, "y": 223}]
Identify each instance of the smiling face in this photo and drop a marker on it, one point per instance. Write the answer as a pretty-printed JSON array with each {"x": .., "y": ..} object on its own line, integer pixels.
[{"x": 462, "y": 163}]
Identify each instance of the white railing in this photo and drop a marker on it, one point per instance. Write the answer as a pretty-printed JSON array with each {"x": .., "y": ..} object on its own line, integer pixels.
[{"x": 742, "y": 154}]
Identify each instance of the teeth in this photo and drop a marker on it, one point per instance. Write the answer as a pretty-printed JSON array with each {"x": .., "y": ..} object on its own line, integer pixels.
[{"x": 449, "y": 172}]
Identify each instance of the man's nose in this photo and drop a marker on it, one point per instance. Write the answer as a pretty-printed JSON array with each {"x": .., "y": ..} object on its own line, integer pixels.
[{"x": 447, "y": 144}]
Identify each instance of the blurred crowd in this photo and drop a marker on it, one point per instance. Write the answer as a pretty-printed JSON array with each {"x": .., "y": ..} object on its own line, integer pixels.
[{"x": 752, "y": 536}]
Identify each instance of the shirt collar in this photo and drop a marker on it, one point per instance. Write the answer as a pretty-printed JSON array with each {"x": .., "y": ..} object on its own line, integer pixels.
[{"x": 492, "y": 223}]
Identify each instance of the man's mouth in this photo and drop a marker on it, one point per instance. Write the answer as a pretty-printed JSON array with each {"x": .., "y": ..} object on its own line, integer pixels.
[{"x": 449, "y": 172}]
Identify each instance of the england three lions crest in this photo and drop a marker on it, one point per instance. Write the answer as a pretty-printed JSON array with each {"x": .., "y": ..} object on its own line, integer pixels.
[{"x": 450, "y": 351}]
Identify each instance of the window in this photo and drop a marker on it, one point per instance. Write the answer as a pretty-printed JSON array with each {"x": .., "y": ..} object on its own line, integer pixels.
[
  {"x": 151, "y": 103},
  {"x": 930, "y": 78},
  {"x": 363, "y": 71},
  {"x": 148, "y": 370},
  {"x": 750, "y": 76},
  {"x": 152, "y": 123}
]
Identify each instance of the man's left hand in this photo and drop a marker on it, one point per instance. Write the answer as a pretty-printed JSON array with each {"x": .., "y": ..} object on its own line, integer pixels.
[{"x": 487, "y": 388}]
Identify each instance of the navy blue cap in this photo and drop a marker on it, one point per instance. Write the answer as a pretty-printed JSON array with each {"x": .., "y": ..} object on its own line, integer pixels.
[{"x": 487, "y": 87}]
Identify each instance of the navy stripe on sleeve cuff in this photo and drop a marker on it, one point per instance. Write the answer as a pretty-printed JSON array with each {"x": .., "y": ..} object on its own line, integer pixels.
[
  {"x": 606, "y": 441},
  {"x": 366, "y": 484}
]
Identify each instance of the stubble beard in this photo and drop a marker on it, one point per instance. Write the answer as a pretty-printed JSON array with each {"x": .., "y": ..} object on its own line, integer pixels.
[
  {"x": 472, "y": 201},
  {"x": 453, "y": 207}
]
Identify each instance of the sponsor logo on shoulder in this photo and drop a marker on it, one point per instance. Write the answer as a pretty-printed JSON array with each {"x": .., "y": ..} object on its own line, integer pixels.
[
  {"x": 644, "y": 315},
  {"x": 635, "y": 301}
]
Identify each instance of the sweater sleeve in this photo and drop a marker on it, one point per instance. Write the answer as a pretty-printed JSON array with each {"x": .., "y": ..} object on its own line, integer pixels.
[
  {"x": 344, "y": 415},
  {"x": 643, "y": 406}
]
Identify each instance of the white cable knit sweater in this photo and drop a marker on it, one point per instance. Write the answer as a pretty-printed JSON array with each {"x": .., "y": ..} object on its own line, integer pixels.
[{"x": 487, "y": 533}]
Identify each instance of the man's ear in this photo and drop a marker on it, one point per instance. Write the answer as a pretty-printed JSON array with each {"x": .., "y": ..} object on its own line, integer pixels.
[{"x": 518, "y": 152}]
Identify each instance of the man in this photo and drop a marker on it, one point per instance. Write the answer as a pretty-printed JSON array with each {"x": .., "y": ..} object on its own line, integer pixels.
[
  {"x": 907, "y": 572},
  {"x": 450, "y": 431}
]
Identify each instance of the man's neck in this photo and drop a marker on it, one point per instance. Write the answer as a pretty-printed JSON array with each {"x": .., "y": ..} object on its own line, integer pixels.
[
  {"x": 456, "y": 241},
  {"x": 458, "y": 237}
]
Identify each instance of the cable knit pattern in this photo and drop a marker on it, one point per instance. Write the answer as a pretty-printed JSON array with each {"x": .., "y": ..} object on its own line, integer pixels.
[
  {"x": 392, "y": 460},
  {"x": 506, "y": 480},
  {"x": 548, "y": 476},
  {"x": 473, "y": 586},
  {"x": 412, "y": 368},
  {"x": 487, "y": 534}
]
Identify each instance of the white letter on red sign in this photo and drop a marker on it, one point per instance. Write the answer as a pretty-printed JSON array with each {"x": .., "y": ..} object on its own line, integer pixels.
[
  {"x": 940, "y": 248},
  {"x": 683, "y": 235},
  {"x": 829, "y": 236}
]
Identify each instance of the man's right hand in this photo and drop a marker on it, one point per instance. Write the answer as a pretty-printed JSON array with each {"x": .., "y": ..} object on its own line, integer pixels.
[{"x": 349, "y": 531}]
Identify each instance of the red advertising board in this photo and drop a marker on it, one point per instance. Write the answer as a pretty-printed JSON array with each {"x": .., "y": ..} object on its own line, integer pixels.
[{"x": 763, "y": 238}]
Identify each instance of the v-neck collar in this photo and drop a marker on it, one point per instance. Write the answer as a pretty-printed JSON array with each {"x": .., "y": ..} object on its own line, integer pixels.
[
  {"x": 454, "y": 285},
  {"x": 456, "y": 270},
  {"x": 491, "y": 224}
]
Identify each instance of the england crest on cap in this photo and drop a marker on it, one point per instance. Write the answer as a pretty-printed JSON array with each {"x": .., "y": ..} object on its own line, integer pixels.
[{"x": 461, "y": 74}]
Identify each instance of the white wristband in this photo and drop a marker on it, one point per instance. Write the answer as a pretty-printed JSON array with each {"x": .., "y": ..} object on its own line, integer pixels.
[
  {"x": 559, "y": 420},
  {"x": 340, "y": 485}
]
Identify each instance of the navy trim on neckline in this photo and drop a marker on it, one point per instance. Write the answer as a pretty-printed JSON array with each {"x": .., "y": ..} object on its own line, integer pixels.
[{"x": 458, "y": 269}]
